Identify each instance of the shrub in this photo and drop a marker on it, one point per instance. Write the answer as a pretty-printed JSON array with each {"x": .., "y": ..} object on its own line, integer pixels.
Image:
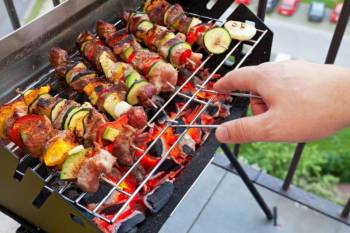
[{"x": 311, "y": 174}]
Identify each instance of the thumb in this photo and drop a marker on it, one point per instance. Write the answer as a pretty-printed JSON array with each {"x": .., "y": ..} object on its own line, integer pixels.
[{"x": 246, "y": 129}]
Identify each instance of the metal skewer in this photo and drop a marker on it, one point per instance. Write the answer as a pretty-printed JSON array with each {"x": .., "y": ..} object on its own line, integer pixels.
[
  {"x": 195, "y": 126},
  {"x": 187, "y": 96},
  {"x": 238, "y": 94}
]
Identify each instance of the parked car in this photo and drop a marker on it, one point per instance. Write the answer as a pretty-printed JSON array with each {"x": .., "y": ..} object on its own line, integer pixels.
[
  {"x": 336, "y": 12},
  {"x": 317, "y": 11},
  {"x": 288, "y": 7},
  {"x": 271, "y": 5},
  {"x": 245, "y": 2}
]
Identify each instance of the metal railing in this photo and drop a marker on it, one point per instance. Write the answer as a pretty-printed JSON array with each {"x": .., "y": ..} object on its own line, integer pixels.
[
  {"x": 12, "y": 12},
  {"x": 330, "y": 59}
]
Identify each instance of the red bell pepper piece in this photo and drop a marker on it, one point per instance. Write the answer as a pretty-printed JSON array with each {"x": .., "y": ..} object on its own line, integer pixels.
[
  {"x": 117, "y": 124},
  {"x": 14, "y": 133},
  {"x": 185, "y": 55},
  {"x": 194, "y": 33},
  {"x": 131, "y": 57}
]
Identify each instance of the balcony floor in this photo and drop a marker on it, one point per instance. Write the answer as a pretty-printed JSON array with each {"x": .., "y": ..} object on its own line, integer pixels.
[{"x": 219, "y": 202}]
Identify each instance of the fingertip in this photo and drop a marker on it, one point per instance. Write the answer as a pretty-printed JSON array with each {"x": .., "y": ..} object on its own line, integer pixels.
[{"x": 222, "y": 133}]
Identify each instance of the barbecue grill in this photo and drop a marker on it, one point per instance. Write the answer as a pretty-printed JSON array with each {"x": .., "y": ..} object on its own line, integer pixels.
[{"x": 32, "y": 194}]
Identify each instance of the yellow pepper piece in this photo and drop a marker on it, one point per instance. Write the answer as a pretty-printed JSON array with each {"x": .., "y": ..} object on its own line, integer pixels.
[
  {"x": 57, "y": 152},
  {"x": 6, "y": 112},
  {"x": 30, "y": 95},
  {"x": 118, "y": 73}
]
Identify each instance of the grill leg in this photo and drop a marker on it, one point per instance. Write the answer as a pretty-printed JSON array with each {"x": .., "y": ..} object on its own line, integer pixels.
[
  {"x": 235, "y": 163},
  {"x": 346, "y": 210}
]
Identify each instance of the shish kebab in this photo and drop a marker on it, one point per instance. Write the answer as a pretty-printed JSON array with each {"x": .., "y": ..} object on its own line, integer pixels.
[
  {"x": 106, "y": 96},
  {"x": 168, "y": 44},
  {"x": 209, "y": 36},
  {"x": 148, "y": 63},
  {"x": 172, "y": 47},
  {"x": 36, "y": 135},
  {"x": 214, "y": 39},
  {"x": 123, "y": 144}
]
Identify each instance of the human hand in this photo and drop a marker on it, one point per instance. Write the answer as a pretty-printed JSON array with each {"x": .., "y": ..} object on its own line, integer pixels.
[{"x": 302, "y": 101}]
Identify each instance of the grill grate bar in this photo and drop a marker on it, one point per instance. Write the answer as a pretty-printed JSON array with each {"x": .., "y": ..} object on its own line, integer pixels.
[{"x": 116, "y": 187}]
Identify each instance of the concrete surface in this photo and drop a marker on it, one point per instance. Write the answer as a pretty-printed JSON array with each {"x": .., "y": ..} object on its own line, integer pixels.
[
  {"x": 7, "y": 225},
  {"x": 229, "y": 207}
]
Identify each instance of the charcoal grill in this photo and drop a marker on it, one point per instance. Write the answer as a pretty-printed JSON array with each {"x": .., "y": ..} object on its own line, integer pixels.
[{"x": 30, "y": 193}]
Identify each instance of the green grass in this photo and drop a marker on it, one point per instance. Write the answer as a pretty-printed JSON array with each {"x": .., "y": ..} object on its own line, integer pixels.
[
  {"x": 38, "y": 5},
  {"x": 336, "y": 150},
  {"x": 329, "y": 3}
]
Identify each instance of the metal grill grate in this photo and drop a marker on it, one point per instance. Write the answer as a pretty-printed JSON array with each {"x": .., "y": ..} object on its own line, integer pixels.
[{"x": 116, "y": 186}]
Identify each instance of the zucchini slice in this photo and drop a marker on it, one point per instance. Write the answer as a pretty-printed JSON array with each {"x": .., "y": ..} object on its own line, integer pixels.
[
  {"x": 168, "y": 36},
  {"x": 152, "y": 68},
  {"x": 74, "y": 71},
  {"x": 217, "y": 40},
  {"x": 84, "y": 73},
  {"x": 57, "y": 109},
  {"x": 73, "y": 163},
  {"x": 144, "y": 26},
  {"x": 33, "y": 104},
  {"x": 68, "y": 115},
  {"x": 173, "y": 48},
  {"x": 110, "y": 134},
  {"x": 131, "y": 78},
  {"x": 77, "y": 118},
  {"x": 131, "y": 95},
  {"x": 166, "y": 14},
  {"x": 240, "y": 30},
  {"x": 127, "y": 53}
]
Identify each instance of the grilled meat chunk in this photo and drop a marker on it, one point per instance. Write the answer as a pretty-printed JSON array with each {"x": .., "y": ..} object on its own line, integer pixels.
[
  {"x": 93, "y": 121},
  {"x": 92, "y": 168},
  {"x": 34, "y": 133}
]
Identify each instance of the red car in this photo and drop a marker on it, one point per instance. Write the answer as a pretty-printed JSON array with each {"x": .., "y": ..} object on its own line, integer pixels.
[
  {"x": 245, "y": 2},
  {"x": 336, "y": 12},
  {"x": 287, "y": 7}
]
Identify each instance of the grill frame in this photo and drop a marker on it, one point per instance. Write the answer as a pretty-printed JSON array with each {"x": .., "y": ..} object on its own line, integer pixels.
[{"x": 260, "y": 53}]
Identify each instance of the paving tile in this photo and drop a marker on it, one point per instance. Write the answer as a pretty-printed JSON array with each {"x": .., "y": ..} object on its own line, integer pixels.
[
  {"x": 222, "y": 161},
  {"x": 233, "y": 209},
  {"x": 343, "y": 229},
  {"x": 190, "y": 207}
]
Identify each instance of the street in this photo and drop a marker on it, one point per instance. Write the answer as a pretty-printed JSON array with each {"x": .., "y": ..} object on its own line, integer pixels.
[
  {"x": 302, "y": 39},
  {"x": 305, "y": 42}
]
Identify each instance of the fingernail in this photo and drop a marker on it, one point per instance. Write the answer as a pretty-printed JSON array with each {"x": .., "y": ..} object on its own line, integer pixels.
[{"x": 222, "y": 133}]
